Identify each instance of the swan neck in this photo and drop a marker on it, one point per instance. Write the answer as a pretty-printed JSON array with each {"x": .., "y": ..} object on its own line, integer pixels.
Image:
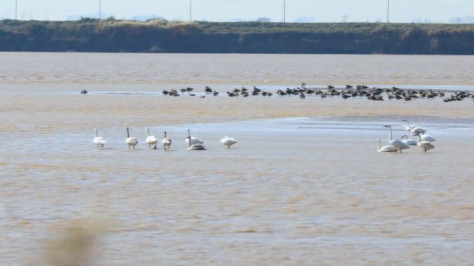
[
  {"x": 390, "y": 136},
  {"x": 128, "y": 133},
  {"x": 189, "y": 137}
]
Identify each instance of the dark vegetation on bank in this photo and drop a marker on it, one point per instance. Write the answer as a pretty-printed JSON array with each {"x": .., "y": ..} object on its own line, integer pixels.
[{"x": 160, "y": 36}]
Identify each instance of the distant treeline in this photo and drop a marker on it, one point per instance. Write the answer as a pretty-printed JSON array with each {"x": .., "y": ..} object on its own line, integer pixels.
[{"x": 161, "y": 36}]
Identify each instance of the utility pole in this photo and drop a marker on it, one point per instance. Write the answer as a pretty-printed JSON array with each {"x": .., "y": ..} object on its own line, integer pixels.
[
  {"x": 16, "y": 9},
  {"x": 387, "y": 45},
  {"x": 388, "y": 10},
  {"x": 190, "y": 10},
  {"x": 284, "y": 11}
]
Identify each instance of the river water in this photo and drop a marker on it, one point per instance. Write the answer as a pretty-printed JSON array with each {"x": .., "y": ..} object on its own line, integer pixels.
[{"x": 304, "y": 185}]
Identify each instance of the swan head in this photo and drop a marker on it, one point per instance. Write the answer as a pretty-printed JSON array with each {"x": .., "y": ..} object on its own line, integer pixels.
[{"x": 389, "y": 126}]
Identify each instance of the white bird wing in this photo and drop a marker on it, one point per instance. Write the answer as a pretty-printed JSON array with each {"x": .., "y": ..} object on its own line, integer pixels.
[
  {"x": 194, "y": 140},
  {"x": 387, "y": 148},
  {"x": 99, "y": 140},
  {"x": 398, "y": 144},
  {"x": 151, "y": 139}
]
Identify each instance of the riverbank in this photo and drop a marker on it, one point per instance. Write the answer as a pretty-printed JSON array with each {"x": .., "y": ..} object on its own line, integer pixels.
[{"x": 160, "y": 36}]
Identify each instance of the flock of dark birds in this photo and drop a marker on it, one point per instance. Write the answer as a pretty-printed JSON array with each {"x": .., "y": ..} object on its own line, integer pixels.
[
  {"x": 349, "y": 91},
  {"x": 371, "y": 93}
]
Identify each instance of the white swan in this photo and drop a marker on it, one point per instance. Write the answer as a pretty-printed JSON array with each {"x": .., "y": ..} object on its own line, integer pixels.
[
  {"x": 151, "y": 140},
  {"x": 166, "y": 142},
  {"x": 417, "y": 130},
  {"x": 407, "y": 127},
  {"x": 412, "y": 129},
  {"x": 196, "y": 146},
  {"x": 131, "y": 141},
  {"x": 397, "y": 144},
  {"x": 386, "y": 148},
  {"x": 193, "y": 140},
  {"x": 228, "y": 141},
  {"x": 425, "y": 145},
  {"x": 424, "y": 136},
  {"x": 99, "y": 141},
  {"x": 408, "y": 141}
]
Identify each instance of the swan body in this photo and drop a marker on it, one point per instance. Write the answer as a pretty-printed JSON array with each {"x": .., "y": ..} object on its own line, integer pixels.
[
  {"x": 386, "y": 148},
  {"x": 198, "y": 146},
  {"x": 425, "y": 145},
  {"x": 166, "y": 142},
  {"x": 408, "y": 141},
  {"x": 131, "y": 141},
  {"x": 425, "y": 137},
  {"x": 194, "y": 140},
  {"x": 228, "y": 141},
  {"x": 151, "y": 140},
  {"x": 412, "y": 129},
  {"x": 99, "y": 141},
  {"x": 396, "y": 144},
  {"x": 417, "y": 130}
]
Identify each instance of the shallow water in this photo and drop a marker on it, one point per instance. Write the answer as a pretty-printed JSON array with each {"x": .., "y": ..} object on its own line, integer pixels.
[{"x": 303, "y": 185}]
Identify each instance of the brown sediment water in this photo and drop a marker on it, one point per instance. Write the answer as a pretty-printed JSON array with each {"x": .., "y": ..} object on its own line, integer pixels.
[{"x": 303, "y": 185}]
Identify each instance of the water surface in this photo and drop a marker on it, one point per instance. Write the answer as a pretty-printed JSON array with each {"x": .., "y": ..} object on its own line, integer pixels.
[{"x": 303, "y": 185}]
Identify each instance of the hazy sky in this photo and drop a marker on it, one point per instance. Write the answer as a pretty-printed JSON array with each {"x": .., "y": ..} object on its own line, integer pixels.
[{"x": 247, "y": 10}]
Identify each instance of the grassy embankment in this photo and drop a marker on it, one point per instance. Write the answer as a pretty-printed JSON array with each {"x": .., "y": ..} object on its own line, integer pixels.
[{"x": 90, "y": 35}]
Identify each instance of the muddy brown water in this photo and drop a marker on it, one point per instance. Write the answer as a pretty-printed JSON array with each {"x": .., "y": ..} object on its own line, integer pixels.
[{"x": 304, "y": 185}]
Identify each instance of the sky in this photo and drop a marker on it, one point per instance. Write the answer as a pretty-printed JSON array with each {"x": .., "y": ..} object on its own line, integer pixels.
[{"x": 400, "y": 11}]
